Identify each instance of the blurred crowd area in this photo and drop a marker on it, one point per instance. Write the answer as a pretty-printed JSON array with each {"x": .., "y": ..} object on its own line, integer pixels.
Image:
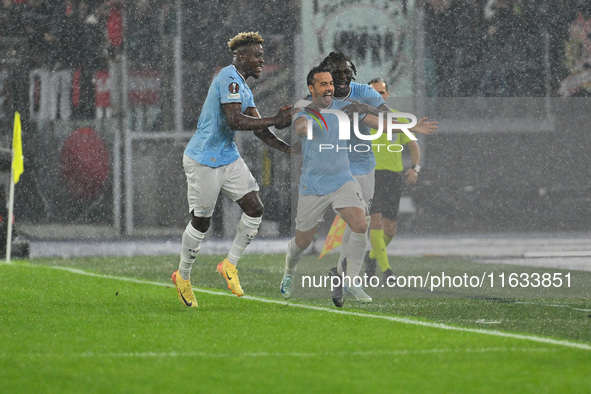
[
  {"x": 63, "y": 50},
  {"x": 508, "y": 48},
  {"x": 63, "y": 62}
]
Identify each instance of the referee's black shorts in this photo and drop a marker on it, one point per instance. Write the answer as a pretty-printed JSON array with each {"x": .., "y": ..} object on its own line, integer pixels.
[{"x": 388, "y": 190}]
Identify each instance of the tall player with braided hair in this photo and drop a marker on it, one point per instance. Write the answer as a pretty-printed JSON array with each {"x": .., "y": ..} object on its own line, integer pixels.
[{"x": 212, "y": 162}]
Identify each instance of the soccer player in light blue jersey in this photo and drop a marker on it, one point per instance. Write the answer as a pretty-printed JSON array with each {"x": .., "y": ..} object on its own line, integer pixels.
[
  {"x": 212, "y": 162},
  {"x": 362, "y": 161},
  {"x": 327, "y": 182},
  {"x": 326, "y": 179}
]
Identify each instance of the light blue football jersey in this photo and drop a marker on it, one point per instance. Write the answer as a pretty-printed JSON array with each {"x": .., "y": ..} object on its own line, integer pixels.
[
  {"x": 213, "y": 142},
  {"x": 324, "y": 171},
  {"x": 362, "y": 160}
]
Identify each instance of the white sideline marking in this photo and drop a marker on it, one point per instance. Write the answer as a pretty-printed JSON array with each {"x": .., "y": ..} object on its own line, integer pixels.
[
  {"x": 279, "y": 354},
  {"x": 403, "y": 320},
  {"x": 483, "y": 321},
  {"x": 573, "y": 253},
  {"x": 553, "y": 305}
]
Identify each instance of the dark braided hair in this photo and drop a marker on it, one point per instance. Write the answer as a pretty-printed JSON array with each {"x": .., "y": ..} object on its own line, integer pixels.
[{"x": 334, "y": 57}]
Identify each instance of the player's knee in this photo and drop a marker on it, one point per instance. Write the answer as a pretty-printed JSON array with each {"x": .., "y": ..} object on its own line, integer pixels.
[
  {"x": 304, "y": 239},
  {"x": 256, "y": 211},
  {"x": 252, "y": 205},
  {"x": 359, "y": 225},
  {"x": 303, "y": 242},
  {"x": 253, "y": 208},
  {"x": 201, "y": 224}
]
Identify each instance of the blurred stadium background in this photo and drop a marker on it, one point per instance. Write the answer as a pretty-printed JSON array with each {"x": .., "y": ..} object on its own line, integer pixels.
[{"x": 110, "y": 93}]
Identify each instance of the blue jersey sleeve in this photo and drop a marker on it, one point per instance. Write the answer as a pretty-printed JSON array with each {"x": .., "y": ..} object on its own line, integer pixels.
[
  {"x": 230, "y": 90},
  {"x": 371, "y": 96}
]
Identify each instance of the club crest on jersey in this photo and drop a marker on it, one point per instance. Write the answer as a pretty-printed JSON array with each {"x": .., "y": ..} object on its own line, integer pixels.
[{"x": 234, "y": 88}]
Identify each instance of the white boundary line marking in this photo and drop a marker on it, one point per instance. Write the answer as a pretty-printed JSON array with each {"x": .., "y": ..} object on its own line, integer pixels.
[
  {"x": 573, "y": 253},
  {"x": 403, "y": 320},
  {"x": 280, "y": 354},
  {"x": 553, "y": 305}
]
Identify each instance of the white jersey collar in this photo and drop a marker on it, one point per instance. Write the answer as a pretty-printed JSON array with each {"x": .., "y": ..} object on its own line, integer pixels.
[{"x": 346, "y": 97}]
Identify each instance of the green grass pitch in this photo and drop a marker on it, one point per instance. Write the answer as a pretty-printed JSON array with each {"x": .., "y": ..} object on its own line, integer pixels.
[{"x": 116, "y": 325}]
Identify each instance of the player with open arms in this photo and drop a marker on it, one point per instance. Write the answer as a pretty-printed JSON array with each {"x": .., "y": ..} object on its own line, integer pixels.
[
  {"x": 212, "y": 162},
  {"x": 326, "y": 180},
  {"x": 362, "y": 161}
]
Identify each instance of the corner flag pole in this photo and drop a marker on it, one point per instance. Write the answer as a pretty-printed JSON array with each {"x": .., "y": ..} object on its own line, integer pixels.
[
  {"x": 16, "y": 170},
  {"x": 9, "y": 218}
]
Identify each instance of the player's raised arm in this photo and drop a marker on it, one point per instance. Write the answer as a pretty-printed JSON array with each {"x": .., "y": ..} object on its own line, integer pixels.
[
  {"x": 240, "y": 121},
  {"x": 266, "y": 135},
  {"x": 423, "y": 126},
  {"x": 360, "y": 108}
]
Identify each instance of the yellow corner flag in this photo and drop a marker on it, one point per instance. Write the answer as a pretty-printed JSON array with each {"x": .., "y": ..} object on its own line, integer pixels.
[
  {"x": 17, "y": 149},
  {"x": 334, "y": 237}
]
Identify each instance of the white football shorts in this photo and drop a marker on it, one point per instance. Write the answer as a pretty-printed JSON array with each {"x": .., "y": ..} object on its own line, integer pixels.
[
  {"x": 367, "y": 183},
  {"x": 311, "y": 208},
  {"x": 205, "y": 183}
]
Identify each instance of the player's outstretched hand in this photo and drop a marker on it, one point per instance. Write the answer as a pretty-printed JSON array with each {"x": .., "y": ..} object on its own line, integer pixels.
[
  {"x": 358, "y": 107},
  {"x": 424, "y": 127},
  {"x": 283, "y": 117}
]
